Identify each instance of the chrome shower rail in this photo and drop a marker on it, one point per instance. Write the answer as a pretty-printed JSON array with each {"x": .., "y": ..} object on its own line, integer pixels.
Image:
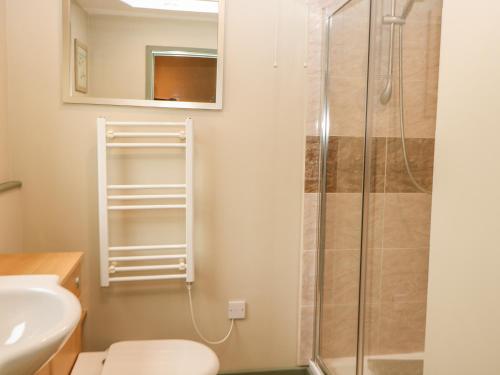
[{"x": 10, "y": 185}]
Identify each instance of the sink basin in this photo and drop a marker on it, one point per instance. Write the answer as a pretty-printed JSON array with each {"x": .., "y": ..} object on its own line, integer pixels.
[{"x": 36, "y": 316}]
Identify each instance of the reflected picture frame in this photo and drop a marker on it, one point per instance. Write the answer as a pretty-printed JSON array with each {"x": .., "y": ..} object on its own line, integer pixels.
[{"x": 81, "y": 67}]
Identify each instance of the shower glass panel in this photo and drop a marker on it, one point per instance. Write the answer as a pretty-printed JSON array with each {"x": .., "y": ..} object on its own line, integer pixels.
[
  {"x": 404, "y": 56},
  {"x": 347, "y": 37},
  {"x": 381, "y": 65}
]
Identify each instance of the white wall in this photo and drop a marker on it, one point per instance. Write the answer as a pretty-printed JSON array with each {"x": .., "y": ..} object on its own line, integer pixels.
[
  {"x": 4, "y": 166},
  {"x": 117, "y": 50},
  {"x": 248, "y": 184},
  {"x": 10, "y": 207},
  {"x": 463, "y": 323}
]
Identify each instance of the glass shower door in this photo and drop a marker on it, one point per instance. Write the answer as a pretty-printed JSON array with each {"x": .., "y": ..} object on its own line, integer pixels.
[
  {"x": 381, "y": 65},
  {"x": 347, "y": 38}
]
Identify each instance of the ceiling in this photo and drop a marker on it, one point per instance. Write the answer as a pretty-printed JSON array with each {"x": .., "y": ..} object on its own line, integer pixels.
[{"x": 118, "y": 8}]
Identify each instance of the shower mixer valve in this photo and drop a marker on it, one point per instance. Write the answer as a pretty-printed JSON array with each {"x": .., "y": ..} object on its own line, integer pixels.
[{"x": 394, "y": 20}]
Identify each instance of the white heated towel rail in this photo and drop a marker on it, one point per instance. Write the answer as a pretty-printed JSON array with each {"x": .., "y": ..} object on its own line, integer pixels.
[{"x": 136, "y": 262}]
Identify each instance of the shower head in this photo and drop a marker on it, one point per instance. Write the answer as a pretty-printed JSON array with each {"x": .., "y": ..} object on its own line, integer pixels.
[
  {"x": 407, "y": 9},
  {"x": 394, "y": 20}
]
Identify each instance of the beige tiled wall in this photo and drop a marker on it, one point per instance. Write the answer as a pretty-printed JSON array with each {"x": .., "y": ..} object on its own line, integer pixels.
[
  {"x": 308, "y": 277},
  {"x": 399, "y": 222}
]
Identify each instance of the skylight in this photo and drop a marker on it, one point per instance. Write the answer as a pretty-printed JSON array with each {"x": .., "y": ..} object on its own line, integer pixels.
[{"x": 199, "y": 6}]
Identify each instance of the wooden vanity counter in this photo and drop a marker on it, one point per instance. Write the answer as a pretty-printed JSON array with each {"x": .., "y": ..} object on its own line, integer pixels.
[
  {"x": 67, "y": 267},
  {"x": 60, "y": 264}
]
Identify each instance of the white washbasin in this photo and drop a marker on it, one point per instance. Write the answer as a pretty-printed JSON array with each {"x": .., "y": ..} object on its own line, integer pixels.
[{"x": 36, "y": 316}]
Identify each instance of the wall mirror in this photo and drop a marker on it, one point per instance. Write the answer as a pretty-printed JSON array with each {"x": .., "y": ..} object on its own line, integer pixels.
[{"x": 151, "y": 53}]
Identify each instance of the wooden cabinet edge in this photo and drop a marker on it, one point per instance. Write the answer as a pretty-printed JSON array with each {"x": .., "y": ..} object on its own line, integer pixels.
[
  {"x": 69, "y": 278},
  {"x": 64, "y": 359}
]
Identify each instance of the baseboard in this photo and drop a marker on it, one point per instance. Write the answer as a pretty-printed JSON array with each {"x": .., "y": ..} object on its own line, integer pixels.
[{"x": 291, "y": 371}]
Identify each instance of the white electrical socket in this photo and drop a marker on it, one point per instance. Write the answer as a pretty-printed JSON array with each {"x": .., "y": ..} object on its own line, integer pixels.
[{"x": 237, "y": 310}]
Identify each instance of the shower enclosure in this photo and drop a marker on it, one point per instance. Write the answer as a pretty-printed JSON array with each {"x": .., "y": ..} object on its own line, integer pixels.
[{"x": 380, "y": 76}]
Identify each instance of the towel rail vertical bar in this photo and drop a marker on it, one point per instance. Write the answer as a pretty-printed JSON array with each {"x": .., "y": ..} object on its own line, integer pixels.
[
  {"x": 189, "y": 201},
  {"x": 103, "y": 199}
]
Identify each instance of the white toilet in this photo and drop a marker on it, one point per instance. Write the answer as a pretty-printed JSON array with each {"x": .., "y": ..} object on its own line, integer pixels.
[{"x": 155, "y": 357}]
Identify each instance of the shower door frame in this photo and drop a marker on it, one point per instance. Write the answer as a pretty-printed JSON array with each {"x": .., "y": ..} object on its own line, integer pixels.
[{"x": 317, "y": 363}]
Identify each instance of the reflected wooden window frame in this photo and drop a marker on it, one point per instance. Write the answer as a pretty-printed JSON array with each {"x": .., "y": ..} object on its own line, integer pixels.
[{"x": 152, "y": 52}]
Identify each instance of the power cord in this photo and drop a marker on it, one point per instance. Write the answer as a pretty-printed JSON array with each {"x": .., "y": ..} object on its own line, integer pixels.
[{"x": 197, "y": 329}]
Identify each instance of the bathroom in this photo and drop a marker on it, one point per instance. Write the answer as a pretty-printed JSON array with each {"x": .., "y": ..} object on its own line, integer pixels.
[{"x": 336, "y": 199}]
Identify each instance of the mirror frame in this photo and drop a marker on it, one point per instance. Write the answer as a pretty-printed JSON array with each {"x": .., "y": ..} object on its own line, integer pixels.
[{"x": 67, "y": 87}]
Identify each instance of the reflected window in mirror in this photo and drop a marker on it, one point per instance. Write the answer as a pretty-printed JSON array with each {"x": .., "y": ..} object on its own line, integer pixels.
[{"x": 185, "y": 75}]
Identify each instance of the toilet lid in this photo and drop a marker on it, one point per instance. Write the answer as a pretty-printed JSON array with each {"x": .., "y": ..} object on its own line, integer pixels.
[{"x": 160, "y": 357}]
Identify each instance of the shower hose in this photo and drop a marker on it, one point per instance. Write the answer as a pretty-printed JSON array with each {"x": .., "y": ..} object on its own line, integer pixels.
[{"x": 402, "y": 116}]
